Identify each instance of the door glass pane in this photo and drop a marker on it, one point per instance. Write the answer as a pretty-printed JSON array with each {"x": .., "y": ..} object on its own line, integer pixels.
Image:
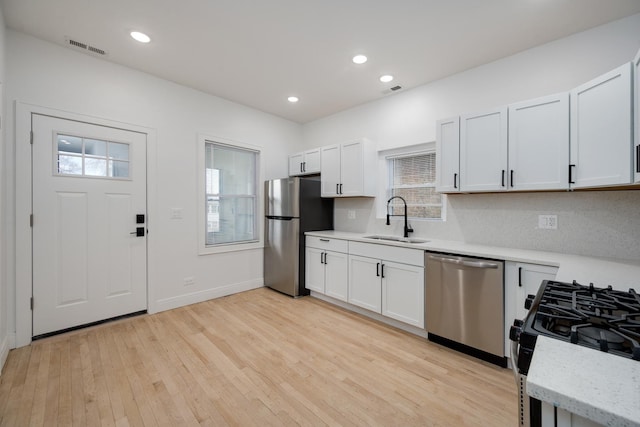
[
  {"x": 118, "y": 151},
  {"x": 69, "y": 165},
  {"x": 95, "y": 167},
  {"x": 118, "y": 169},
  {"x": 69, "y": 144},
  {"x": 95, "y": 147}
]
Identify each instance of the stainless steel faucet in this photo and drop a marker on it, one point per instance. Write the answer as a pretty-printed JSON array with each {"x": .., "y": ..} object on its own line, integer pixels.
[{"x": 407, "y": 227}]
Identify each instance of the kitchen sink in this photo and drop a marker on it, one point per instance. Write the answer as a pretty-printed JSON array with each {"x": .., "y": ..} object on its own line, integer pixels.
[{"x": 397, "y": 239}]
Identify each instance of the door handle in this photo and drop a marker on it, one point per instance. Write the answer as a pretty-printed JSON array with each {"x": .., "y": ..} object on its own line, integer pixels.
[
  {"x": 378, "y": 270},
  {"x": 340, "y": 188},
  {"x": 455, "y": 180},
  {"x": 382, "y": 269},
  {"x": 502, "y": 180},
  {"x": 511, "y": 178},
  {"x": 139, "y": 232},
  {"x": 337, "y": 188},
  {"x": 571, "y": 181}
]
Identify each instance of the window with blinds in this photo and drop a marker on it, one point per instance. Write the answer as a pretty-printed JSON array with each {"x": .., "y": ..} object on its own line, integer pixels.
[{"x": 413, "y": 177}]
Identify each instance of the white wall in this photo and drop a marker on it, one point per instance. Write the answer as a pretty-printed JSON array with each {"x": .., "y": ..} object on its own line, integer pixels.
[
  {"x": 48, "y": 75},
  {"x": 595, "y": 223},
  {"x": 4, "y": 312}
]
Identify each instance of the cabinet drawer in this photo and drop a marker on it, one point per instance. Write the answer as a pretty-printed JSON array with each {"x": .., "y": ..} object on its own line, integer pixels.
[
  {"x": 388, "y": 253},
  {"x": 327, "y": 243}
]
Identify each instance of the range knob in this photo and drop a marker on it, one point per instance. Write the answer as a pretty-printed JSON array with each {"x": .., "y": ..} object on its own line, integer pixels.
[
  {"x": 515, "y": 330},
  {"x": 529, "y": 301}
]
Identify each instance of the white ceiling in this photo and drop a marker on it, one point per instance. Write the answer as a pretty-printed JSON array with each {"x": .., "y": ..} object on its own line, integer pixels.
[{"x": 258, "y": 52}]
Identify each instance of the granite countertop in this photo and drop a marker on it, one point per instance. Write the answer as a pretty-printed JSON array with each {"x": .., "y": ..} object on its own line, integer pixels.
[
  {"x": 621, "y": 274},
  {"x": 599, "y": 386}
]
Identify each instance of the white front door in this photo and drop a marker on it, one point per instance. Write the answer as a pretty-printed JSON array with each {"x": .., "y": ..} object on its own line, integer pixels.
[{"x": 89, "y": 201}]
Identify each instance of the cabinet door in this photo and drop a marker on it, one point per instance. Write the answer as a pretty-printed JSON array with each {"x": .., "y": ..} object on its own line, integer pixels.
[
  {"x": 448, "y": 155},
  {"x": 539, "y": 144},
  {"x": 601, "y": 137},
  {"x": 295, "y": 164},
  {"x": 330, "y": 170},
  {"x": 352, "y": 169},
  {"x": 636, "y": 116},
  {"x": 336, "y": 275},
  {"x": 483, "y": 151},
  {"x": 312, "y": 161},
  {"x": 314, "y": 270},
  {"x": 530, "y": 277},
  {"x": 365, "y": 283},
  {"x": 403, "y": 293}
]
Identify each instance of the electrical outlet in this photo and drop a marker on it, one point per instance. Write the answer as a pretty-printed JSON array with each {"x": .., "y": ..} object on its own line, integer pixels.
[
  {"x": 351, "y": 214},
  {"x": 189, "y": 281},
  {"x": 548, "y": 222}
]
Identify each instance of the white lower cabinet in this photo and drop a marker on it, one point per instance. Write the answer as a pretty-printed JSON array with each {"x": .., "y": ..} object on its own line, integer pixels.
[
  {"x": 403, "y": 293},
  {"x": 365, "y": 284},
  {"x": 383, "y": 285},
  {"x": 521, "y": 280},
  {"x": 326, "y": 270}
]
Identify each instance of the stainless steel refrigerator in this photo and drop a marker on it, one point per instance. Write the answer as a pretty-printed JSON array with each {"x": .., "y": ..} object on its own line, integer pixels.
[{"x": 292, "y": 206}]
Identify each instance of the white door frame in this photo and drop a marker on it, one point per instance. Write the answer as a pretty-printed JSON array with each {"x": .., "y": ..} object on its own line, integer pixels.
[{"x": 23, "y": 195}]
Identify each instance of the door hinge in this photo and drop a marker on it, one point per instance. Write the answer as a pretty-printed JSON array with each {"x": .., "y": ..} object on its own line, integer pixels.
[
  {"x": 31, "y": 137},
  {"x": 31, "y": 304},
  {"x": 31, "y": 220}
]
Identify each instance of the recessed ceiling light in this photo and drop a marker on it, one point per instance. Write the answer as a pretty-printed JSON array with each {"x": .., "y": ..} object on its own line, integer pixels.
[
  {"x": 359, "y": 59},
  {"x": 386, "y": 78},
  {"x": 293, "y": 99},
  {"x": 141, "y": 37}
]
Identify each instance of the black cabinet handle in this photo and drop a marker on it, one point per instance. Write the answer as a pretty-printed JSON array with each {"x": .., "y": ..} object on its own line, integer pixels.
[
  {"x": 571, "y": 181},
  {"x": 301, "y": 167},
  {"x": 519, "y": 277},
  {"x": 511, "y": 178},
  {"x": 382, "y": 271},
  {"x": 325, "y": 258},
  {"x": 502, "y": 181},
  {"x": 304, "y": 166},
  {"x": 455, "y": 180},
  {"x": 378, "y": 270},
  {"x": 337, "y": 188},
  {"x": 340, "y": 188},
  {"x": 321, "y": 257},
  {"x": 638, "y": 157}
]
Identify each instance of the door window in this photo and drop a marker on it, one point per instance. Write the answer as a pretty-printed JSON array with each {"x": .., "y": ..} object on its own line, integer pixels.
[{"x": 87, "y": 157}]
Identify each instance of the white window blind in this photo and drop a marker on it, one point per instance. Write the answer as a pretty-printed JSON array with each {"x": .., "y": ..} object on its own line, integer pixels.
[
  {"x": 231, "y": 194},
  {"x": 413, "y": 177}
]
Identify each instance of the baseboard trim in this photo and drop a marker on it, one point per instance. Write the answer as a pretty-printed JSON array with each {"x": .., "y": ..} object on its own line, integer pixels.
[
  {"x": 196, "y": 297},
  {"x": 4, "y": 352}
]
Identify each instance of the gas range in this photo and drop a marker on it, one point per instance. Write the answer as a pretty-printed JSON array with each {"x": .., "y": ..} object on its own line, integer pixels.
[{"x": 603, "y": 319}]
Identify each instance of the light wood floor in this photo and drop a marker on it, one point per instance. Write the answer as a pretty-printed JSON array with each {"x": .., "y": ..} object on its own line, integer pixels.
[{"x": 255, "y": 358}]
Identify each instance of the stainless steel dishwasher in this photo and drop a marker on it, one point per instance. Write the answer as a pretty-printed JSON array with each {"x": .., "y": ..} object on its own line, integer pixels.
[{"x": 464, "y": 304}]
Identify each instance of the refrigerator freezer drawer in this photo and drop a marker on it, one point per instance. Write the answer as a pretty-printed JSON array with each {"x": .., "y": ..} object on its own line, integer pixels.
[{"x": 281, "y": 261}]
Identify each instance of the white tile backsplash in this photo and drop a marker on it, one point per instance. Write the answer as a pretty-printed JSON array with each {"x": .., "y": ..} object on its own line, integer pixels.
[{"x": 592, "y": 223}]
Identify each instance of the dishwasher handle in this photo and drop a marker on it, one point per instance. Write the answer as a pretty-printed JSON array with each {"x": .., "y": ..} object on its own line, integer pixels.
[{"x": 464, "y": 261}]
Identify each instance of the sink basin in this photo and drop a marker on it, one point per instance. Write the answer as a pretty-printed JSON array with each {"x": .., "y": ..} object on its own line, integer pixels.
[{"x": 397, "y": 239}]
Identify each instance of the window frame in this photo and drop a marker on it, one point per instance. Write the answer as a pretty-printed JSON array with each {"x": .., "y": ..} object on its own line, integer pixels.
[
  {"x": 203, "y": 248},
  {"x": 384, "y": 158}
]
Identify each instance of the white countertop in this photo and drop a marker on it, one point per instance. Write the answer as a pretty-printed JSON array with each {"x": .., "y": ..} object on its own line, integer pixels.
[
  {"x": 599, "y": 386},
  {"x": 621, "y": 274}
]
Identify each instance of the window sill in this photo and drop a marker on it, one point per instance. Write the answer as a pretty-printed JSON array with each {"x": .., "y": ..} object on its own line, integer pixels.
[{"x": 230, "y": 247}]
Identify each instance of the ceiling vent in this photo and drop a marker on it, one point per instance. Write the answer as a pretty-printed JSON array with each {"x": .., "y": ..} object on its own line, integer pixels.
[
  {"x": 392, "y": 89},
  {"x": 85, "y": 47}
]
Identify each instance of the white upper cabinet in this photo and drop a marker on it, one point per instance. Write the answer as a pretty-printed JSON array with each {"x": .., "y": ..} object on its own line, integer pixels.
[
  {"x": 346, "y": 167},
  {"x": 539, "y": 144},
  {"x": 448, "y": 155},
  {"x": 305, "y": 163},
  {"x": 601, "y": 131},
  {"x": 483, "y": 151},
  {"x": 636, "y": 116}
]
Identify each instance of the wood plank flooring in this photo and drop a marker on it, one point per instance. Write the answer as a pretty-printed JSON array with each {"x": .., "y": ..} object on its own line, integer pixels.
[{"x": 257, "y": 358}]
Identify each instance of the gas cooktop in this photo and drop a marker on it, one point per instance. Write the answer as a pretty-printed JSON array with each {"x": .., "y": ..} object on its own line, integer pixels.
[{"x": 600, "y": 318}]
